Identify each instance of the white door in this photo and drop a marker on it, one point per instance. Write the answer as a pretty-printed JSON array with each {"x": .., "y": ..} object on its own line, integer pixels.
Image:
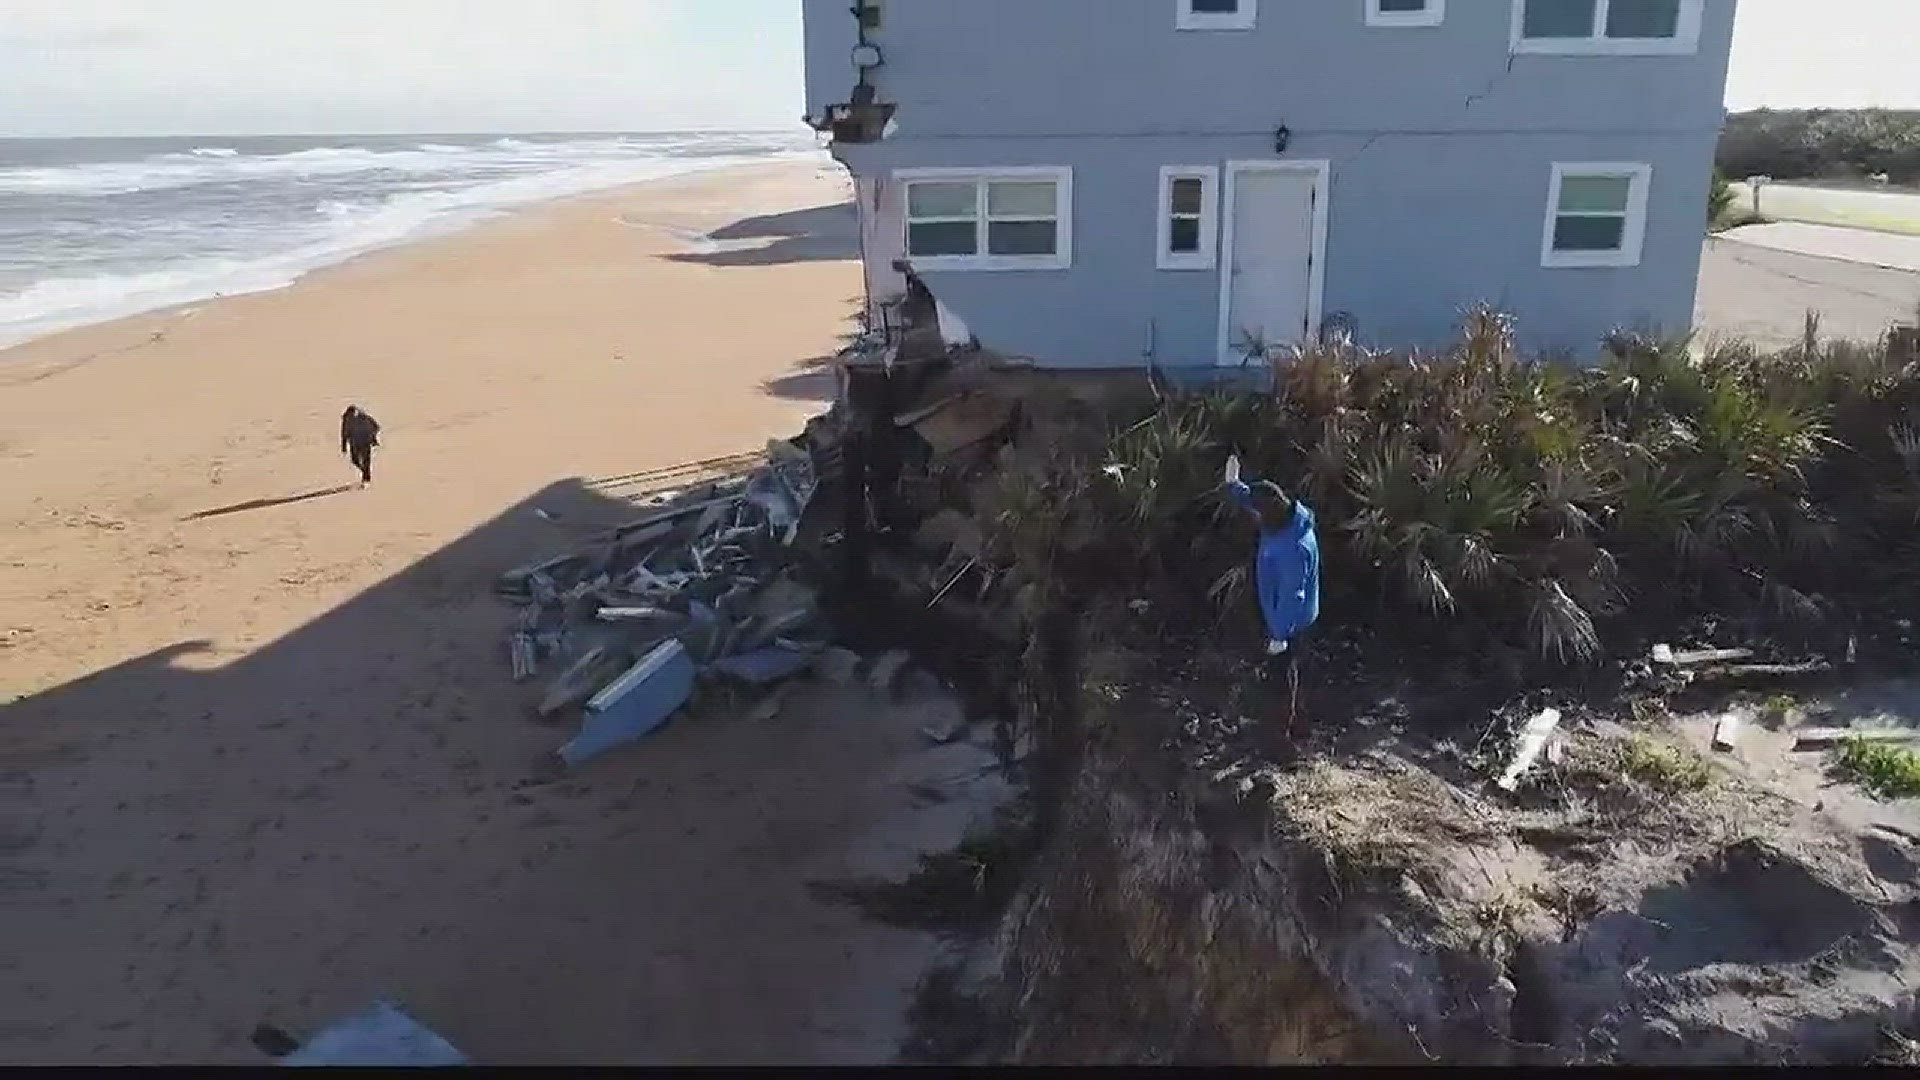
[{"x": 1270, "y": 270}]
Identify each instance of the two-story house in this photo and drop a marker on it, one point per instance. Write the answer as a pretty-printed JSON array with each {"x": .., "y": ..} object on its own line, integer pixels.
[{"x": 1093, "y": 183}]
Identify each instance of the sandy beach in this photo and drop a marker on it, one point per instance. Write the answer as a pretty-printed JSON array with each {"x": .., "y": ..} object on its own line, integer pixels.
[{"x": 262, "y": 760}]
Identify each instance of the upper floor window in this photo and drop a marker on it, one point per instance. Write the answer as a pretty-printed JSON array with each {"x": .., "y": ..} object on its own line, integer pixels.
[
  {"x": 998, "y": 219},
  {"x": 1406, "y": 12},
  {"x": 1216, "y": 14},
  {"x": 1606, "y": 26},
  {"x": 1596, "y": 214}
]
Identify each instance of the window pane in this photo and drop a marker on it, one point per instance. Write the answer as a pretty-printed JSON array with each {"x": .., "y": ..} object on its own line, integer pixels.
[
  {"x": 1186, "y": 236},
  {"x": 1022, "y": 198},
  {"x": 1643, "y": 19},
  {"x": 1589, "y": 233},
  {"x": 1216, "y": 7},
  {"x": 933, "y": 200},
  {"x": 1187, "y": 195},
  {"x": 1595, "y": 194},
  {"x": 1020, "y": 238},
  {"x": 942, "y": 238},
  {"x": 1560, "y": 18},
  {"x": 1402, "y": 6}
]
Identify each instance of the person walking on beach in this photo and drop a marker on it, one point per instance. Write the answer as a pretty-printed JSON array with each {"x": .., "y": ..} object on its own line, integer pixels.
[{"x": 359, "y": 434}]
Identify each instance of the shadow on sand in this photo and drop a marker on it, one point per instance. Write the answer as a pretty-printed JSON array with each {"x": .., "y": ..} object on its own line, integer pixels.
[
  {"x": 267, "y": 504},
  {"x": 817, "y": 234}
]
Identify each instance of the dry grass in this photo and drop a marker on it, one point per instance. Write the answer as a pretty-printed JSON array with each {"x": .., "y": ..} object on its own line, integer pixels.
[{"x": 1663, "y": 766}]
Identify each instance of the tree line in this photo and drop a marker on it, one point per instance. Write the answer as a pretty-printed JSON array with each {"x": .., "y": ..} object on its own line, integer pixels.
[{"x": 1827, "y": 144}]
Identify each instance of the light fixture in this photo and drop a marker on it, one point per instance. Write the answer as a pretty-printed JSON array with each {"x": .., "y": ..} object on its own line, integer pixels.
[{"x": 1282, "y": 139}]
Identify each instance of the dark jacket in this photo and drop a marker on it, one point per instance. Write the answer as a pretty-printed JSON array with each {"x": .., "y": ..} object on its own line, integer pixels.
[{"x": 358, "y": 429}]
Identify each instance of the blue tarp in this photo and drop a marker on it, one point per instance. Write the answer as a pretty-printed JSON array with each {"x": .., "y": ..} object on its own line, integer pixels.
[
  {"x": 381, "y": 1035},
  {"x": 1287, "y": 568}
]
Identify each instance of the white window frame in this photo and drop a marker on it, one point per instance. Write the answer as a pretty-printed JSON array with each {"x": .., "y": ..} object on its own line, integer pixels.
[
  {"x": 1434, "y": 15},
  {"x": 1208, "y": 256},
  {"x": 1685, "y": 42},
  {"x": 1061, "y": 259},
  {"x": 1185, "y": 18},
  {"x": 1633, "y": 237}
]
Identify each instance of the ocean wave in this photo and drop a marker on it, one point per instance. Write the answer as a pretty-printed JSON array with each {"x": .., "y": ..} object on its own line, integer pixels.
[
  {"x": 59, "y": 303},
  {"x": 338, "y": 229},
  {"x": 214, "y": 152},
  {"x": 174, "y": 171}
]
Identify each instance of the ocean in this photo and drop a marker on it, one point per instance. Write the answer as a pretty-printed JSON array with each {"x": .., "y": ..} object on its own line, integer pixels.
[{"x": 97, "y": 229}]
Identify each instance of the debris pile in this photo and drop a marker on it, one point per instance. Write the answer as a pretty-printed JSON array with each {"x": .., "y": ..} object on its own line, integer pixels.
[{"x": 703, "y": 587}]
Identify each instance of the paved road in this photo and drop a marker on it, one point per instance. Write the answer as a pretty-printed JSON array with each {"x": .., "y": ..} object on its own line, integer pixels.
[
  {"x": 1764, "y": 294},
  {"x": 1887, "y": 211},
  {"x": 1887, "y": 250}
]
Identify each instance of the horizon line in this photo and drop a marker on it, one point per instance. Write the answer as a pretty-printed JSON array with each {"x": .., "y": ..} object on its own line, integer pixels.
[{"x": 795, "y": 129}]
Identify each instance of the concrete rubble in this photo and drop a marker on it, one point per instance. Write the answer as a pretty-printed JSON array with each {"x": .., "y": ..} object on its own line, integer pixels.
[{"x": 703, "y": 589}]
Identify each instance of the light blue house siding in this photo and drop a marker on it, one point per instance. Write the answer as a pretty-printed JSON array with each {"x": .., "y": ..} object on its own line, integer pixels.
[{"x": 1440, "y": 142}]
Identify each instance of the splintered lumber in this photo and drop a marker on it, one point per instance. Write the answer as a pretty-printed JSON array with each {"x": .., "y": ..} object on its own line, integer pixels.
[
  {"x": 1533, "y": 739},
  {"x": 634, "y": 705},
  {"x": 1811, "y": 737},
  {"x": 520, "y": 648},
  {"x": 1765, "y": 673},
  {"x": 579, "y": 682},
  {"x": 1665, "y": 654},
  {"x": 675, "y": 514},
  {"x": 635, "y": 614}
]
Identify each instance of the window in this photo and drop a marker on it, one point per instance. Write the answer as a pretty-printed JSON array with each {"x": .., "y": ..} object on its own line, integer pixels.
[
  {"x": 1406, "y": 12},
  {"x": 1189, "y": 217},
  {"x": 1002, "y": 219},
  {"x": 1606, "y": 26},
  {"x": 1216, "y": 14},
  {"x": 1596, "y": 215}
]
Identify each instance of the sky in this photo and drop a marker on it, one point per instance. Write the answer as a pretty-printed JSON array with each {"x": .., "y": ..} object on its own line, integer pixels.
[{"x": 100, "y": 67}]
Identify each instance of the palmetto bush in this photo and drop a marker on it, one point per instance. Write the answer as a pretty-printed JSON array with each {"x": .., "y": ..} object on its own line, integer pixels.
[{"x": 1538, "y": 499}]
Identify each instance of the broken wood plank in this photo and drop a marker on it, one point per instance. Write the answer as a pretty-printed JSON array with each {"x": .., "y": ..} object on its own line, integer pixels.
[
  {"x": 621, "y": 532},
  {"x": 634, "y": 705},
  {"x": 1665, "y": 654},
  {"x": 1533, "y": 740},
  {"x": 1726, "y": 732},
  {"x": 636, "y": 614},
  {"x": 520, "y": 650},
  {"x": 579, "y": 682},
  {"x": 1814, "y": 737},
  {"x": 1765, "y": 673},
  {"x": 541, "y": 587}
]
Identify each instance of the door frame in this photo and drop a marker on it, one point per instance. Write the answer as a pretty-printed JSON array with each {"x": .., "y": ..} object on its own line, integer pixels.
[{"x": 1322, "y": 173}]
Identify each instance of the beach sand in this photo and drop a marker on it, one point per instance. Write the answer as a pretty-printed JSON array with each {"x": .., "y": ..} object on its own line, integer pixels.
[{"x": 265, "y": 762}]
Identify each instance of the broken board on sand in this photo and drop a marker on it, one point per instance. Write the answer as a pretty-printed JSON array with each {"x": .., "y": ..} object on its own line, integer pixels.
[{"x": 635, "y": 704}]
